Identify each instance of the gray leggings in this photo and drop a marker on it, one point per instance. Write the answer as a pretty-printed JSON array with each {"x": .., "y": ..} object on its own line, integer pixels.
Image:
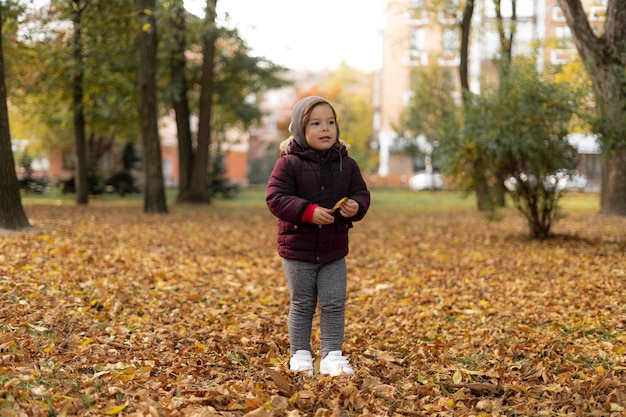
[{"x": 307, "y": 282}]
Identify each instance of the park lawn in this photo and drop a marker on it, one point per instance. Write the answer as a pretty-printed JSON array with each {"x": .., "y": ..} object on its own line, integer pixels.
[{"x": 109, "y": 311}]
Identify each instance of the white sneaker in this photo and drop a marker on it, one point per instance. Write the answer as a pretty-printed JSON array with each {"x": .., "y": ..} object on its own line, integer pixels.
[
  {"x": 301, "y": 361},
  {"x": 335, "y": 364}
]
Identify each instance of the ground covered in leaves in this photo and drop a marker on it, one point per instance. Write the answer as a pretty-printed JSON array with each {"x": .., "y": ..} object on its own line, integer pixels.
[{"x": 108, "y": 311}]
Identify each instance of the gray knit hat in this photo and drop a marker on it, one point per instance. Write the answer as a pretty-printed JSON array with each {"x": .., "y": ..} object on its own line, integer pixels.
[{"x": 295, "y": 127}]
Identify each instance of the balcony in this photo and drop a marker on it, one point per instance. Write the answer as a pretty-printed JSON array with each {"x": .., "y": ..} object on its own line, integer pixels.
[
  {"x": 562, "y": 56},
  {"x": 449, "y": 17},
  {"x": 416, "y": 58},
  {"x": 417, "y": 18},
  {"x": 449, "y": 59}
]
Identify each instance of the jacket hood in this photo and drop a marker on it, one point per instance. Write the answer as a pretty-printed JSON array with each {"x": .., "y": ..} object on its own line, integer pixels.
[{"x": 297, "y": 113}]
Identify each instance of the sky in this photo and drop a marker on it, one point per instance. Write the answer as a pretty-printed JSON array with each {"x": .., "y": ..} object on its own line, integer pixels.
[{"x": 307, "y": 34}]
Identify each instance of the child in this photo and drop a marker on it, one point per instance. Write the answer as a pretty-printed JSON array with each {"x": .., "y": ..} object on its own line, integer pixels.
[{"x": 313, "y": 173}]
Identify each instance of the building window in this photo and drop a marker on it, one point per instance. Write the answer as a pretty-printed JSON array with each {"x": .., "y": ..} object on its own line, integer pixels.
[
  {"x": 492, "y": 44},
  {"x": 522, "y": 9},
  {"x": 418, "y": 40},
  {"x": 449, "y": 14},
  {"x": 563, "y": 52},
  {"x": 525, "y": 9},
  {"x": 450, "y": 55},
  {"x": 490, "y": 9},
  {"x": 563, "y": 36},
  {"x": 417, "y": 14},
  {"x": 417, "y": 55},
  {"x": 525, "y": 37},
  {"x": 557, "y": 15},
  {"x": 450, "y": 40},
  {"x": 451, "y": 6}
]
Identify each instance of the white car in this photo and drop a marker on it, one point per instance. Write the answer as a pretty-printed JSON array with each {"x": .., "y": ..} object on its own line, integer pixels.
[{"x": 426, "y": 181}]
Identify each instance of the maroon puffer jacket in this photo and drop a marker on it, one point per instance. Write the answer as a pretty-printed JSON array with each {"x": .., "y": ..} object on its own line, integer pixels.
[{"x": 305, "y": 176}]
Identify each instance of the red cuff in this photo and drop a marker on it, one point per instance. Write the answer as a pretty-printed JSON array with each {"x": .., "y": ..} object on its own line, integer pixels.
[{"x": 307, "y": 216}]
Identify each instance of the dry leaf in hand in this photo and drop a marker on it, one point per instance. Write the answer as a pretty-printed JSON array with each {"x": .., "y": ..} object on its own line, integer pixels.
[{"x": 339, "y": 203}]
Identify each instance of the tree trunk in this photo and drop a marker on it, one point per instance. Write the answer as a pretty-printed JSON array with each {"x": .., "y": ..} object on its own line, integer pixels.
[
  {"x": 466, "y": 29},
  {"x": 12, "y": 214},
  {"x": 181, "y": 104},
  {"x": 614, "y": 178},
  {"x": 498, "y": 190},
  {"x": 483, "y": 200},
  {"x": 80, "y": 148},
  {"x": 483, "y": 196},
  {"x": 604, "y": 60},
  {"x": 506, "y": 42},
  {"x": 199, "y": 188},
  {"x": 154, "y": 196}
]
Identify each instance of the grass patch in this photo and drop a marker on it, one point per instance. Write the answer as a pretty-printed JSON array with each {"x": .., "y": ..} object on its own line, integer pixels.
[{"x": 382, "y": 200}]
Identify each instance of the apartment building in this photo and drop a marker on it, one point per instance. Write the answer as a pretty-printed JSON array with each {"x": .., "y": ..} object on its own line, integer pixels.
[{"x": 414, "y": 37}]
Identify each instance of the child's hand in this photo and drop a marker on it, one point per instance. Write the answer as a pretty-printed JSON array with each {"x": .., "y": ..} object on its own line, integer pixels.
[
  {"x": 349, "y": 208},
  {"x": 322, "y": 215}
]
